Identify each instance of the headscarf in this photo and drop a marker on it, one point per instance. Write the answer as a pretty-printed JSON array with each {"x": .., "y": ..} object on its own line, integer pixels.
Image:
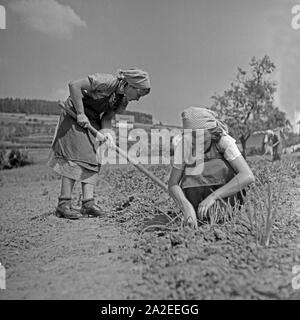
[
  {"x": 137, "y": 78},
  {"x": 201, "y": 118}
]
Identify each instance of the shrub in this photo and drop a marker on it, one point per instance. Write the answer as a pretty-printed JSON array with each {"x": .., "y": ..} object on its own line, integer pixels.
[
  {"x": 14, "y": 159},
  {"x": 18, "y": 158}
]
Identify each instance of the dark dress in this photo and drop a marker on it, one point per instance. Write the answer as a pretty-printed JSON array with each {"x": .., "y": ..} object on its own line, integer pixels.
[{"x": 275, "y": 140}]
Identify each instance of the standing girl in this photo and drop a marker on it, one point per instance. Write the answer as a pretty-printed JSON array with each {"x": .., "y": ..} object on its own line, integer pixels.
[{"x": 95, "y": 99}]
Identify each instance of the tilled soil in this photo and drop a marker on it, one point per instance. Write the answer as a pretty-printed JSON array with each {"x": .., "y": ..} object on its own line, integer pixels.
[{"x": 121, "y": 257}]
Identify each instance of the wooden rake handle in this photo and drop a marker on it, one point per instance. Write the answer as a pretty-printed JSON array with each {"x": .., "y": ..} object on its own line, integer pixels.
[{"x": 119, "y": 150}]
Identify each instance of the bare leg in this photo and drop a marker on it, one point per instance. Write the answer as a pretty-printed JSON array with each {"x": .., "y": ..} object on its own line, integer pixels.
[
  {"x": 67, "y": 185},
  {"x": 87, "y": 191}
]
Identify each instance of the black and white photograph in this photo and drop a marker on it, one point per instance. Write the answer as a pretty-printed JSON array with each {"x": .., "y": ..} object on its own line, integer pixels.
[{"x": 149, "y": 150}]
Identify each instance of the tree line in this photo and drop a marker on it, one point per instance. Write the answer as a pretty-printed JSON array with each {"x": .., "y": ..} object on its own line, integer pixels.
[
  {"x": 36, "y": 106},
  {"x": 28, "y": 106}
]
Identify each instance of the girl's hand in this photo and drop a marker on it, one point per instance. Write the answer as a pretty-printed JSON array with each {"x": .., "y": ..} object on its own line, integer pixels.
[
  {"x": 205, "y": 205},
  {"x": 109, "y": 140},
  {"x": 191, "y": 222},
  {"x": 100, "y": 137},
  {"x": 190, "y": 218},
  {"x": 83, "y": 120}
]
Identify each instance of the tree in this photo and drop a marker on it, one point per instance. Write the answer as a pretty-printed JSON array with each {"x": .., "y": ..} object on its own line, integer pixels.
[{"x": 247, "y": 106}]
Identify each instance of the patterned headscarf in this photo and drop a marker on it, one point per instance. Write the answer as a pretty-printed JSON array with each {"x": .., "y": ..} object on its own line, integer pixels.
[
  {"x": 201, "y": 118},
  {"x": 137, "y": 78}
]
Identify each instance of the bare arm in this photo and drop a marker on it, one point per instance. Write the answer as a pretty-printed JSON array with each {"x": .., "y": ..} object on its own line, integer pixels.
[
  {"x": 75, "y": 88},
  {"x": 243, "y": 178},
  {"x": 179, "y": 197}
]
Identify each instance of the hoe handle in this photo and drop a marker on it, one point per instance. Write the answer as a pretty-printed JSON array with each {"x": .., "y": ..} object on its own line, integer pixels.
[{"x": 119, "y": 150}]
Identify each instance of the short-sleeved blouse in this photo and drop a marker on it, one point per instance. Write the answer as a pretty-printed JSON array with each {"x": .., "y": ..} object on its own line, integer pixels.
[
  {"x": 104, "y": 85},
  {"x": 183, "y": 151}
]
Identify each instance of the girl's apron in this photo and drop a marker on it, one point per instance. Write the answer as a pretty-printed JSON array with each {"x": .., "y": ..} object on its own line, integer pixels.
[
  {"x": 72, "y": 142},
  {"x": 217, "y": 171}
]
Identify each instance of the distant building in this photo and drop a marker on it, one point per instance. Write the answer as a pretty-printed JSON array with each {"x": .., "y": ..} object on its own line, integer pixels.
[
  {"x": 124, "y": 117},
  {"x": 132, "y": 119},
  {"x": 257, "y": 139},
  {"x": 123, "y": 120},
  {"x": 140, "y": 117}
]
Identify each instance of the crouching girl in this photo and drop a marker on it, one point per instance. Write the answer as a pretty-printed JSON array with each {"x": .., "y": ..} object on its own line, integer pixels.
[{"x": 220, "y": 173}]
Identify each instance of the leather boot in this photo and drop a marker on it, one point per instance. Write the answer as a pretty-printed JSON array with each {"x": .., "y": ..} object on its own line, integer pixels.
[
  {"x": 65, "y": 210},
  {"x": 89, "y": 208}
]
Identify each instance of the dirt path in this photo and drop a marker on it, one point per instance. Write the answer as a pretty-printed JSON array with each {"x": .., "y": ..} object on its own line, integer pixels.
[{"x": 47, "y": 257}]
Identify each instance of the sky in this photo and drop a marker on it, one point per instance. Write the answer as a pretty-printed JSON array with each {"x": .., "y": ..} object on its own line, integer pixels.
[{"x": 191, "y": 48}]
